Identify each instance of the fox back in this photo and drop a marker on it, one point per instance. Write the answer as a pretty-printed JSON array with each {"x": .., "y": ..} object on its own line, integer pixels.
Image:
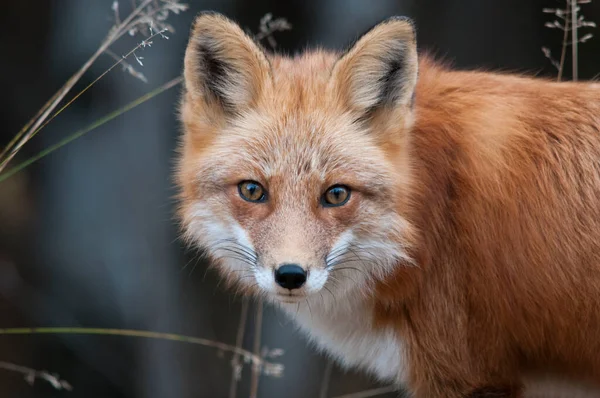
[{"x": 444, "y": 226}]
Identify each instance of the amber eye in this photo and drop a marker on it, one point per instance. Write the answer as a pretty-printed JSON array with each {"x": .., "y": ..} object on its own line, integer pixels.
[
  {"x": 252, "y": 191},
  {"x": 336, "y": 195}
]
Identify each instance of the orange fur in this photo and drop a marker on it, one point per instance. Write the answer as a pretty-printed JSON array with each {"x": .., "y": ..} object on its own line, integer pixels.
[
  {"x": 487, "y": 185},
  {"x": 507, "y": 176}
]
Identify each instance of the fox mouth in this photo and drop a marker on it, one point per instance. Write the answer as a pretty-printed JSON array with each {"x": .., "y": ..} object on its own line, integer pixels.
[{"x": 289, "y": 298}]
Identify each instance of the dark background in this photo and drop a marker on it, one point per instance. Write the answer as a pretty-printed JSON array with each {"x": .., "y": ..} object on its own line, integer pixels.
[{"x": 87, "y": 236}]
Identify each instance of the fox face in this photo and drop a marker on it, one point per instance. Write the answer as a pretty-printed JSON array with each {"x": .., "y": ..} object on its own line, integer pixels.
[{"x": 285, "y": 173}]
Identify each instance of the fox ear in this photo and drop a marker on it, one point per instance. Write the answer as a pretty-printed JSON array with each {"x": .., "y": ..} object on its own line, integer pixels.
[
  {"x": 380, "y": 69},
  {"x": 223, "y": 66}
]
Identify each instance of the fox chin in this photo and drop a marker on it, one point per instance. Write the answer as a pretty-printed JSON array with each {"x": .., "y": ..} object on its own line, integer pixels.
[{"x": 439, "y": 229}]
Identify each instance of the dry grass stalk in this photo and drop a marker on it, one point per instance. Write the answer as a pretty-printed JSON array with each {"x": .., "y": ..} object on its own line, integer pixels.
[
  {"x": 324, "y": 393},
  {"x": 569, "y": 20},
  {"x": 145, "y": 16},
  {"x": 256, "y": 368},
  {"x": 236, "y": 373},
  {"x": 268, "y": 26},
  {"x": 31, "y": 375},
  {"x": 249, "y": 357},
  {"x": 574, "y": 40},
  {"x": 370, "y": 393}
]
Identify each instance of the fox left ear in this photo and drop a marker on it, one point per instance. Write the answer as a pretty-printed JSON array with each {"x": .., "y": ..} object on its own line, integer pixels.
[
  {"x": 223, "y": 66},
  {"x": 380, "y": 69}
]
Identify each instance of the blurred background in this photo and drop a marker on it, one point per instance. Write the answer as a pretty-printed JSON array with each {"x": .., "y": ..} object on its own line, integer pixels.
[{"x": 87, "y": 234}]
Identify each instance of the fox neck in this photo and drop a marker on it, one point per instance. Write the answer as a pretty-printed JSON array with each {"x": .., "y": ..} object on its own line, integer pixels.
[{"x": 343, "y": 328}]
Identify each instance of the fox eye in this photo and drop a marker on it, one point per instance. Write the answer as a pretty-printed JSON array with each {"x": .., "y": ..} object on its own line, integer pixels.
[
  {"x": 336, "y": 195},
  {"x": 252, "y": 191}
]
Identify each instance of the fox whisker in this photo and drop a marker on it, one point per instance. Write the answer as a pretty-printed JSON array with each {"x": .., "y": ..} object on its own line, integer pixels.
[{"x": 233, "y": 242}]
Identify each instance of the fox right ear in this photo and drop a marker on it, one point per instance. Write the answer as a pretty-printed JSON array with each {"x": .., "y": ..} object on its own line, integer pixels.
[
  {"x": 380, "y": 69},
  {"x": 223, "y": 66}
]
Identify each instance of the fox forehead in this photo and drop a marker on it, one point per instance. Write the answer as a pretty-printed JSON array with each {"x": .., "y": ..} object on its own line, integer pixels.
[
  {"x": 302, "y": 82},
  {"x": 290, "y": 148}
]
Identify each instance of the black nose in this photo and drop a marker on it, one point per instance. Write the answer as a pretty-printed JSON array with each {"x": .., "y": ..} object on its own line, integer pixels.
[{"x": 290, "y": 276}]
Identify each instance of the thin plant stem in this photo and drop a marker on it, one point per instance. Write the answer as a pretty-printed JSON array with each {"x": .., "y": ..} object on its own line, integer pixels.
[
  {"x": 31, "y": 127},
  {"x": 255, "y": 359},
  {"x": 369, "y": 393},
  {"x": 326, "y": 380},
  {"x": 574, "y": 39},
  {"x": 27, "y": 125},
  {"x": 91, "y": 127},
  {"x": 257, "y": 335},
  {"x": 239, "y": 341},
  {"x": 31, "y": 375},
  {"x": 127, "y": 66},
  {"x": 563, "y": 52}
]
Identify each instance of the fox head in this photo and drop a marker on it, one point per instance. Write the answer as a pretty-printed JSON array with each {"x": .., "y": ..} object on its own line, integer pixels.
[{"x": 291, "y": 171}]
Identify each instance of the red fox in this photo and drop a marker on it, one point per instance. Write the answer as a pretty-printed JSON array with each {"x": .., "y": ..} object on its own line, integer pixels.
[{"x": 437, "y": 228}]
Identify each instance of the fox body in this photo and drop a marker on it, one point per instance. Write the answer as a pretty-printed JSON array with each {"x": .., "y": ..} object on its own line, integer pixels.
[{"x": 438, "y": 228}]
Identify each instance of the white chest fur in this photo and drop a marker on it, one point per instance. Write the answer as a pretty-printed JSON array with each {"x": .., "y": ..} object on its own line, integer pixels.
[{"x": 345, "y": 333}]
